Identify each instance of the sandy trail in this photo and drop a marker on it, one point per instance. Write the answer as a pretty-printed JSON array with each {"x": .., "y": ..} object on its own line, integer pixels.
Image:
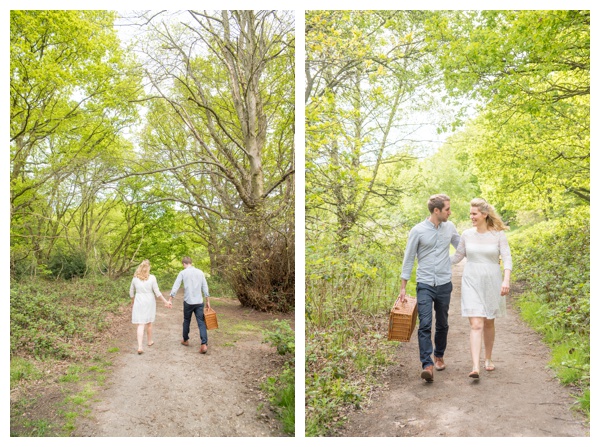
[
  {"x": 172, "y": 390},
  {"x": 520, "y": 398}
]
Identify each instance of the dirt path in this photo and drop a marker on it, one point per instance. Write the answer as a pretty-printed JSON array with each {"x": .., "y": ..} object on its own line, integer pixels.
[
  {"x": 520, "y": 398},
  {"x": 172, "y": 390}
]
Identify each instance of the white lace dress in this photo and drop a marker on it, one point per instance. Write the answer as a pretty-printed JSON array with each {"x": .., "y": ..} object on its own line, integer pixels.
[
  {"x": 482, "y": 276},
  {"x": 144, "y": 305}
]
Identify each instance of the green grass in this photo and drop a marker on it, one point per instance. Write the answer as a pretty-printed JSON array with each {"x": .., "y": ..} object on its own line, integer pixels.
[
  {"x": 282, "y": 397},
  {"x": 22, "y": 369},
  {"x": 584, "y": 402},
  {"x": 72, "y": 374},
  {"x": 36, "y": 428},
  {"x": 281, "y": 388},
  {"x": 232, "y": 331}
]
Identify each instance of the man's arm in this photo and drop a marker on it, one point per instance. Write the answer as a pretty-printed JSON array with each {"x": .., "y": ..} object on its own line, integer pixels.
[
  {"x": 455, "y": 239},
  {"x": 402, "y": 294},
  {"x": 176, "y": 286},
  {"x": 409, "y": 261},
  {"x": 205, "y": 290}
]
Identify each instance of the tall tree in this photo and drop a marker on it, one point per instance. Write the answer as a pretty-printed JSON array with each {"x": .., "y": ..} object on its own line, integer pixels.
[
  {"x": 71, "y": 90},
  {"x": 366, "y": 73},
  {"x": 228, "y": 79}
]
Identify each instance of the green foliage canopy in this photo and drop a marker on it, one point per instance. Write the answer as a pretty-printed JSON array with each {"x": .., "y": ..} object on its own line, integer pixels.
[{"x": 531, "y": 72}]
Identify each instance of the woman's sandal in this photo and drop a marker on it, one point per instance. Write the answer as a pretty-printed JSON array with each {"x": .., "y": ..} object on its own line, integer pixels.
[
  {"x": 474, "y": 374},
  {"x": 140, "y": 351},
  {"x": 489, "y": 366},
  {"x": 150, "y": 344}
]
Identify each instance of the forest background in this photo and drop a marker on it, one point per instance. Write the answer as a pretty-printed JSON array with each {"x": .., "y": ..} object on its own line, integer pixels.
[
  {"x": 512, "y": 88},
  {"x": 144, "y": 135}
]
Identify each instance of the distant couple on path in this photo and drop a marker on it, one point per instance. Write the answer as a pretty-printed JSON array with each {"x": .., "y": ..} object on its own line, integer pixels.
[
  {"x": 483, "y": 288},
  {"x": 143, "y": 312}
]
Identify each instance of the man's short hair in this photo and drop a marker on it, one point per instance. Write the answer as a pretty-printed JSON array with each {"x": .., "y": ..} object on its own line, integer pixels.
[
  {"x": 187, "y": 260},
  {"x": 437, "y": 201}
]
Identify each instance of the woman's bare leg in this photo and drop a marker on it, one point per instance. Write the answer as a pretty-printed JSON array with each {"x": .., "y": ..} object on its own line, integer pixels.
[
  {"x": 489, "y": 335},
  {"x": 476, "y": 324},
  {"x": 140, "y": 336},
  {"x": 149, "y": 333}
]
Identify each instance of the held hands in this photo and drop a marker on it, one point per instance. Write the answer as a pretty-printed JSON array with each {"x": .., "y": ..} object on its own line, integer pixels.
[
  {"x": 505, "y": 288},
  {"x": 168, "y": 304}
]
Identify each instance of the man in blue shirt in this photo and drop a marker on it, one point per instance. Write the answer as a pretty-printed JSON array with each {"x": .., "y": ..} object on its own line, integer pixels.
[
  {"x": 195, "y": 290},
  {"x": 429, "y": 241}
]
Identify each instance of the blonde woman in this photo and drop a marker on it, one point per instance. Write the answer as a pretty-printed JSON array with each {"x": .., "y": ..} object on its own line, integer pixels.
[
  {"x": 484, "y": 287},
  {"x": 143, "y": 304}
]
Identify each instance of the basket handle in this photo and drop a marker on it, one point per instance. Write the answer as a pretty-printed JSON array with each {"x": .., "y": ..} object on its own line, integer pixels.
[{"x": 398, "y": 304}]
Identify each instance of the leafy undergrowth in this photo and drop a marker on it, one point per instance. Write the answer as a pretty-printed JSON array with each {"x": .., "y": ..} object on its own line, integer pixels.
[
  {"x": 348, "y": 297},
  {"x": 553, "y": 262},
  {"x": 343, "y": 364},
  {"x": 58, "y": 357},
  {"x": 281, "y": 388}
]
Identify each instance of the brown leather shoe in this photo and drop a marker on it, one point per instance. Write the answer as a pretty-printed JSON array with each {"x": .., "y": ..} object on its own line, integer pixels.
[
  {"x": 203, "y": 349},
  {"x": 185, "y": 342},
  {"x": 427, "y": 373},
  {"x": 439, "y": 363}
]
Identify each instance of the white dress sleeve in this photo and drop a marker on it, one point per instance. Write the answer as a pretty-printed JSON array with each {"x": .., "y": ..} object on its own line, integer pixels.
[
  {"x": 132, "y": 289},
  {"x": 155, "y": 287},
  {"x": 461, "y": 251},
  {"x": 504, "y": 251}
]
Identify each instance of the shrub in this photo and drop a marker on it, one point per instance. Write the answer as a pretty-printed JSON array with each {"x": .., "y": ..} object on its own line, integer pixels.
[
  {"x": 553, "y": 260},
  {"x": 282, "y": 337},
  {"x": 48, "y": 318},
  {"x": 67, "y": 265}
]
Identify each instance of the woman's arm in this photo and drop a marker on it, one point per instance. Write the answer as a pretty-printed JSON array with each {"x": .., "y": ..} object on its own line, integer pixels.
[
  {"x": 507, "y": 261},
  {"x": 157, "y": 291},
  {"x": 132, "y": 292},
  {"x": 506, "y": 283}
]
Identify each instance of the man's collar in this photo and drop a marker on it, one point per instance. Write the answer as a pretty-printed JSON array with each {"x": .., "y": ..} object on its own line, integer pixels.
[{"x": 432, "y": 224}]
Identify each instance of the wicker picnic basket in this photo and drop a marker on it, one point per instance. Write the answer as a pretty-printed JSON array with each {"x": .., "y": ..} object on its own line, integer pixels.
[
  {"x": 403, "y": 318},
  {"x": 210, "y": 317}
]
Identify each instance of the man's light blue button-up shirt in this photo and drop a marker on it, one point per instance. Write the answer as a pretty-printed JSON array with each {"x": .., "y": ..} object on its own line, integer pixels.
[
  {"x": 430, "y": 246},
  {"x": 194, "y": 283}
]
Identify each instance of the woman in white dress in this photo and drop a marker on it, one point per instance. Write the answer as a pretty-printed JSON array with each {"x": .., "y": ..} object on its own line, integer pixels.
[
  {"x": 143, "y": 305},
  {"x": 483, "y": 288}
]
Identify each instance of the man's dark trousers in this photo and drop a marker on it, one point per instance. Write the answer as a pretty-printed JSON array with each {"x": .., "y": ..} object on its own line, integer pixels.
[
  {"x": 431, "y": 298},
  {"x": 198, "y": 310}
]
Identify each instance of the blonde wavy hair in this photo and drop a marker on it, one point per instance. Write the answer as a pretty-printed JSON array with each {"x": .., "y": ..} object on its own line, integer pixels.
[
  {"x": 494, "y": 221},
  {"x": 143, "y": 270}
]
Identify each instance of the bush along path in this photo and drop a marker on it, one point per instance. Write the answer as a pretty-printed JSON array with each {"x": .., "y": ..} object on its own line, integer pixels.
[
  {"x": 173, "y": 390},
  {"x": 521, "y": 397}
]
